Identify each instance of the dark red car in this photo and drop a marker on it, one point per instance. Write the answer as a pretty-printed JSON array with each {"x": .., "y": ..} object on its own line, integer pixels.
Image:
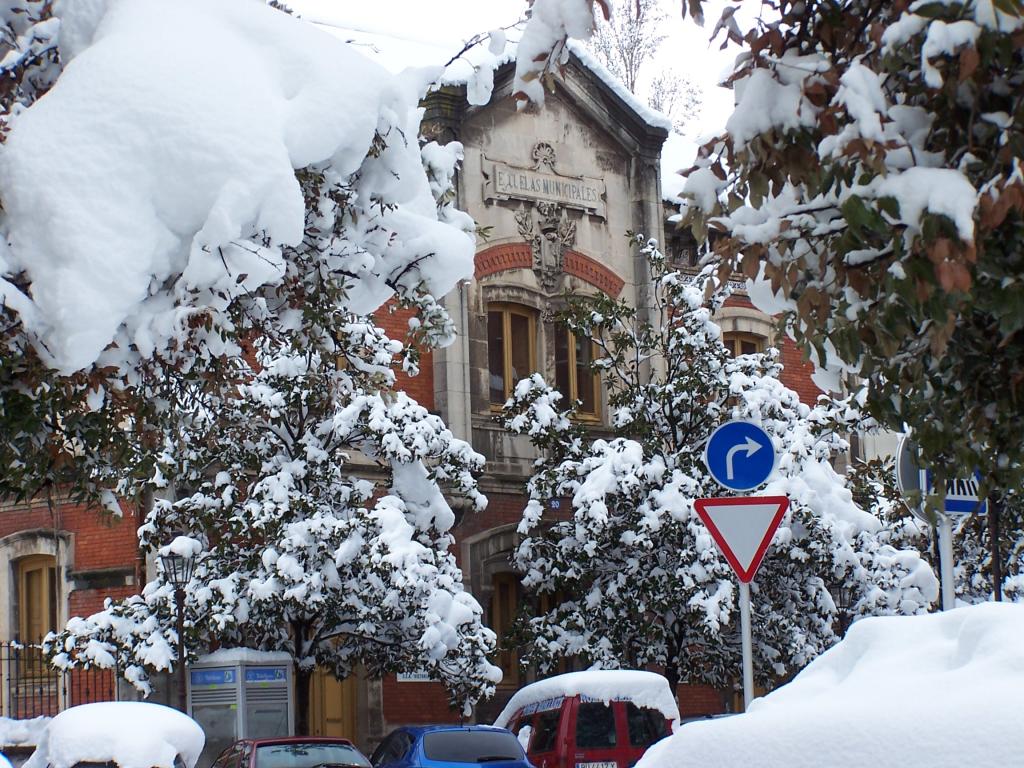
[{"x": 292, "y": 752}]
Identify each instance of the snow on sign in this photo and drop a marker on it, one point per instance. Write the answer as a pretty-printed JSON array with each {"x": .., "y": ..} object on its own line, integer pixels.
[
  {"x": 742, "y": 527},
  {"x": 739, "y": 455}
]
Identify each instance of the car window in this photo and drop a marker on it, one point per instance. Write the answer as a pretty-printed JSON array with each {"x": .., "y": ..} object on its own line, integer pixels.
[
  {"x": 393, "y": 748},
  {"x": 308, "y": 754},
  {"x": 595, "y": 726},
  {"x": 646, "y": 726},
  {"x": 545, "y": 731},
  {"x": 227, "y": 759},
  {"x": 472, "y": 746}
]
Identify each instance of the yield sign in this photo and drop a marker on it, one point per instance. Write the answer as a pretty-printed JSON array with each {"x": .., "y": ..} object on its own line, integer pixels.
[{"x": 743, "y": 527}]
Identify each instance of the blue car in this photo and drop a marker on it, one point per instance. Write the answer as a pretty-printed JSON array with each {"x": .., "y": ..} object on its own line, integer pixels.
[{"x": 450, "y": 746}]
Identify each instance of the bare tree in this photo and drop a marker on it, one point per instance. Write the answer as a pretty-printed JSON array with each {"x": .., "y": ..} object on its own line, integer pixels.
[
  {"x": 628, "y": 42},
  {"x": 677, "y": 96}
]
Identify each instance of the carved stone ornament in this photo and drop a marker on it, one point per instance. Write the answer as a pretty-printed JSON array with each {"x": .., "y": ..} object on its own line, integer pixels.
[
  {"x": 550, "y": 233},
  {"x": 543, "y": 154}
]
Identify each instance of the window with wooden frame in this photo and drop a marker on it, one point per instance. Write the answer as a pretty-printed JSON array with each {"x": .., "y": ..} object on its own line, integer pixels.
[
  {"x": 573, "y": 375},
  {"x": 506, "y": 597},
  {"x": 37, "y": 605},
  {"x": 511, "y": 348},
  {"x": 742, "y": 343}
]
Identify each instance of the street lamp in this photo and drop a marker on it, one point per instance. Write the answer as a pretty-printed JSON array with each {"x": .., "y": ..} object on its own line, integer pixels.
[
  {"x": 177, "y": 568},
  {"x": 843, "y": 596}
]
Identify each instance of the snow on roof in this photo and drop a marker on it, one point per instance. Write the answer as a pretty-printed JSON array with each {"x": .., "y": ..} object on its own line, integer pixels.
[
  {"x": 131, "y": 734},
  {"x": 22, "y": 733},
  {"x": 940, "y": 690},
  {"x": 645, "y": 689},
  {"x": 247, "y": 656}
]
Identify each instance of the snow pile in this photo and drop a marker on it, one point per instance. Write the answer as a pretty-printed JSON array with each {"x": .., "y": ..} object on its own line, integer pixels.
[
  {"x": 940, "y": 690},
  {"x": 645, "y": 689},
  {"x": 130, "y": 734},
  {"x": 22, "y": 733},
  {"x": 246, "y": 656},
  {"x": 156, "y": 181}
]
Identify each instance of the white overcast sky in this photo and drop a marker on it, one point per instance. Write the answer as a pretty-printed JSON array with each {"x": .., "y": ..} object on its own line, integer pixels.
[{"x": 446, "y": 23}]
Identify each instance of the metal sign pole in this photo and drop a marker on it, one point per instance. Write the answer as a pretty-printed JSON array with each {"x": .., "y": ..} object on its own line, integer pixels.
[
  {"x": 945, "y": 530},
  {"x": 748, "y": 646}
]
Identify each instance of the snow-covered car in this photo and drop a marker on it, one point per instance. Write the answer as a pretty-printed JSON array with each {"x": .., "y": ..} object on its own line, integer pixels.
[
  {"x": 119, "y": 734},
  {"x": 940, "y": 690},
  {"x": 593, "y": 719}
]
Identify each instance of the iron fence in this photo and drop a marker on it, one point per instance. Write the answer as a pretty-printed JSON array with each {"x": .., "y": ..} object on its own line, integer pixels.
[{"x": 30, "y": 687}]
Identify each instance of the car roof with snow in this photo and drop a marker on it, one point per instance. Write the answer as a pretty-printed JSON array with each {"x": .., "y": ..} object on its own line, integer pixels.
[
  {"x": 645, "y": 689},
  {"x": 129, "y": 734}
]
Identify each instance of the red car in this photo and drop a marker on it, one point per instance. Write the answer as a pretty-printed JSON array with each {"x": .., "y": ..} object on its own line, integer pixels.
[{"x": 292, "y": 752}]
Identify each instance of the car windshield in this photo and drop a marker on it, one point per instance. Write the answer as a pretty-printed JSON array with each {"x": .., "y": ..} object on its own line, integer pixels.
[
  {"x": 308, "y": 754},
  {"x": 472, "y": 746}
]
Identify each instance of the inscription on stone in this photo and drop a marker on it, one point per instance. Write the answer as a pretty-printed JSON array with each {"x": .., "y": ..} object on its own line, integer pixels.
[{"x": 507, "y": 181}]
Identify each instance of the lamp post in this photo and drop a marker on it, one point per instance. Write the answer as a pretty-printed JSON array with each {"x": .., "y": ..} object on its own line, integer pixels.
[
  {"x": 843, "y": 596},
  {"x": 177, "y": 570}
]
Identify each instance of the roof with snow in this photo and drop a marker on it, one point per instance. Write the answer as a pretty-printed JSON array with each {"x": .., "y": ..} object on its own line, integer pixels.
[
  {"x": 940, "y": 690},
  {"x": 645, "y": 689}
]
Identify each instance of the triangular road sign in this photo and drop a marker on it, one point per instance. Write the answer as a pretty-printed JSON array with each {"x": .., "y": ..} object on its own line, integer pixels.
[{"x": 743, "y": 527}]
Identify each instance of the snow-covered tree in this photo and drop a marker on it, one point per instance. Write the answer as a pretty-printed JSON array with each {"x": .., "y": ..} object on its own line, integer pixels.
[
  {"x": 635, "y": 575},
  {"x": 874, "y": 488},
  {"x": 190, "y": 261},
  {"x": 869, "y": 182},
  {"x": 316, "y": 489},
  {"x": 320, "y": 524},
  {"x": 137, "y": 237}
]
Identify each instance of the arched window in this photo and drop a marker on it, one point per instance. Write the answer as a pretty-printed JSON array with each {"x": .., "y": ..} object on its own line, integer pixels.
[
  {"x": 511, "y": 348},
  {"x": 573, "y": 376},
  {"x": 741, "y": 343}
]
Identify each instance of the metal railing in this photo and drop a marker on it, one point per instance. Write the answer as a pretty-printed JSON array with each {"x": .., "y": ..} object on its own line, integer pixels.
[{"x": 30, "y": 687}]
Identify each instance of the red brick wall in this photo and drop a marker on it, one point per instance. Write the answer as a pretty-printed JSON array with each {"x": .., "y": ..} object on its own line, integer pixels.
[
  {"x": 416, "y": 703},
  {"x": 796, "y": 372},
  {"x": 696, "y": 700},
  {"x": 100, "y": 540},
  {"x": 395, "y": 323}
]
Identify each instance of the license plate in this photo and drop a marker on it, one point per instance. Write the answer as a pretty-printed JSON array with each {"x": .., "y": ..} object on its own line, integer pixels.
[{"x": 605, "y": 764}]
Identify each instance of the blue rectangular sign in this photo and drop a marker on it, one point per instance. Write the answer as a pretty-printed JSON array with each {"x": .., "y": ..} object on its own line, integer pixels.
[
  {"x": 265, "y": 675},
  {"x": 208, "y": 678},
  {"x": 961, "y": 496}
]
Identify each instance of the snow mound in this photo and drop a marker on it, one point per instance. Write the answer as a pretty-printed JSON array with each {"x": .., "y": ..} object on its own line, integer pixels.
[
  {"x": 157, "y": 178},
  {"x": 940, "y": 690},
  {"x": 246, "y": 656},
  {"x": 22, "y": 733},
  {"x": 645, "y": 689},
  {"x": 128, "y": 733}
]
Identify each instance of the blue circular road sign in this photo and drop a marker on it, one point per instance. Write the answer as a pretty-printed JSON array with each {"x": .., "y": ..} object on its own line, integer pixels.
[{"x": 739, "y": 455}]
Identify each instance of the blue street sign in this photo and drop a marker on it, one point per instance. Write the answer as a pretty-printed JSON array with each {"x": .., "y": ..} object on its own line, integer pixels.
[
  {"x": 961, "y": 496},
  {"x": 739, "y": 455}
]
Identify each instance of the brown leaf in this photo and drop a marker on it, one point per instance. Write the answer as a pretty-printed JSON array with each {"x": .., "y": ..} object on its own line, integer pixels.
[
  {"x": 969, "y": 60},
  {"x": 750, "y": 265},
  {"x": 605, "y": 10},
  {"x": 945, "y": 276}
]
